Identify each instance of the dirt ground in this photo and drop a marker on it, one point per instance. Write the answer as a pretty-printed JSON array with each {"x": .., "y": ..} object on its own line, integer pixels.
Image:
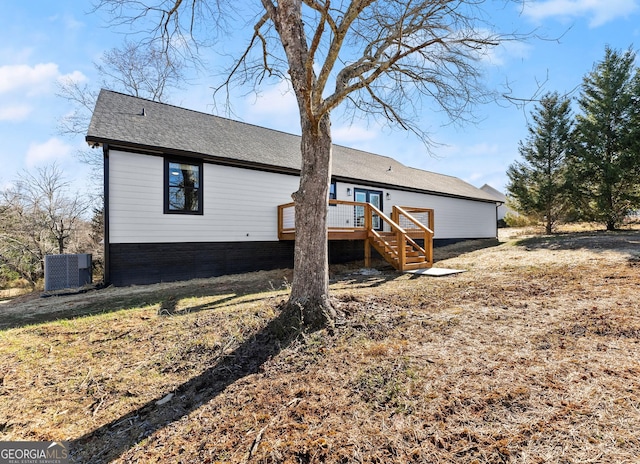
[
  {"x": 532, "y": 355},
  {"x": 41, "y": 307}
]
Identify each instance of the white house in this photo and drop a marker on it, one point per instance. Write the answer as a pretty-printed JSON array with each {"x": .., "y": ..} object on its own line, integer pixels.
[
  {"x": 188, "y": 194},
  {"x": 500, "y": 198}
]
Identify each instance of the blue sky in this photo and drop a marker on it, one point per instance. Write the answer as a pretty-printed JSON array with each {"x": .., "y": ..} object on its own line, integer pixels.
[{"x": 43, "y": 41}]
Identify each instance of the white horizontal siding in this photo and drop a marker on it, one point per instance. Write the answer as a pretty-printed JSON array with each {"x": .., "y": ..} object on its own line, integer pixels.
[
  {"x": 238, "y": 204},
  {"x": 241, "y": 205},
  {"x": 453, "y": 217}
]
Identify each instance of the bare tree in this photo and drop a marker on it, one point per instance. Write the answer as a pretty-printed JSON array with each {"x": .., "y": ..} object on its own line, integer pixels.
[
  {"x": 22, "y": 248},
  {"x": 39, "y": 215},
  {"x": 380, "y": 57},
  {"x": 136, "y": 69},
  {"x": 142, "y": 71}
]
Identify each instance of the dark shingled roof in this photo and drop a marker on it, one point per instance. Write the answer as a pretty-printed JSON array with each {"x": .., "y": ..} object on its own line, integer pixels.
[{"x": 118, "y": 120}]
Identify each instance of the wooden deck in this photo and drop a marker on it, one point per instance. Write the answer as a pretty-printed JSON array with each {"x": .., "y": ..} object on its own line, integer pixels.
[{"x": 393, "y": 237}]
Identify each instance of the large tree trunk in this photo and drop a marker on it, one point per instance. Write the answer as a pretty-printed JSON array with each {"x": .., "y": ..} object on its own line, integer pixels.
[
  {"x": 310, "y": 287},
  {"x": 309, "y": 299}
]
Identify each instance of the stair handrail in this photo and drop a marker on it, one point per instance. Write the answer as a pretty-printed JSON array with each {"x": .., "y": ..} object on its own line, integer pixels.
[
  {"x": 402, "y": 236},
  {"x": 428, "y": 233},
  {"x": 395, "y": 226}
]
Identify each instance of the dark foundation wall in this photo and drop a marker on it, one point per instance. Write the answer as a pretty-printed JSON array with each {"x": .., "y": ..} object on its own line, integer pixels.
[
  {"x": 148, "y": 263},
  {"x": 346, "y": 251}
]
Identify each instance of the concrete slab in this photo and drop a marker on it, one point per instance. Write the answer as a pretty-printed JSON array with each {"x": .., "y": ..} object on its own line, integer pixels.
[{"x": 435, "y": 272}]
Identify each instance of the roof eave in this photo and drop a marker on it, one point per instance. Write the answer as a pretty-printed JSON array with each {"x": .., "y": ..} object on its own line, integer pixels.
[
  {"x": 404, "y": 188},
  {"x": 159, "y": 151}
]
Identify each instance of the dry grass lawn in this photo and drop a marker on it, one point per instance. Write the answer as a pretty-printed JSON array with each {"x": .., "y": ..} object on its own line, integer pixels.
[{"x": 531, "y": 356}]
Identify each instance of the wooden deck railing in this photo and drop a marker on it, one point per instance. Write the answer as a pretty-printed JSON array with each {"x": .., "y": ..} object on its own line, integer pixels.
[
  {"x": 393, "y": 237},
  {"x": 346, "y": 220},
  {"x": 393, "y": 244},
  {"x": 413, "y": 221}
]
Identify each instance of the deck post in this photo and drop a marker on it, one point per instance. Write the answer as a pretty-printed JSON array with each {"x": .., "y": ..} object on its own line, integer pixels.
[
  {"x": 428, "y": 247},
  {"x": 368, "y": 218},
  {"x": 402, "y": 251},
  {"x": 367, "y": 253},
  {"x": 280, "y": 221}
]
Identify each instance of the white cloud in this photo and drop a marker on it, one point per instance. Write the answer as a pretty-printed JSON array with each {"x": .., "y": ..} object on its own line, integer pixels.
[
  {"x": 599, "y": 11},
  {"x": 34, "y": 79},
  {"x": 275, "y": 108},
  {"x": 352, "y": 134},
  {"x": 474, "y": 177},
  {"x": 483, "y": 149},
  {"x": 510, "y": 49},
  {"x": 15, "y": 112},
  {"x": 22, "y": 88},
  {"x": 53, "y": 149},
  {"x": 75, "y": 76},
  {"x": 71, "y": 23}
]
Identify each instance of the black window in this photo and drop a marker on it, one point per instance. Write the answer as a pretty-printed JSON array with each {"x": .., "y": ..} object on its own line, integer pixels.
[
  {"x": 332, "y": 191},
  {"x": 183, "y": 187}
]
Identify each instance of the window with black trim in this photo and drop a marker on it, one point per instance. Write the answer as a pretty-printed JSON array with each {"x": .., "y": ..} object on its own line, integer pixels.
[
  {"x": 182, "y": 186},
  {"x": 332, "y": 191}
]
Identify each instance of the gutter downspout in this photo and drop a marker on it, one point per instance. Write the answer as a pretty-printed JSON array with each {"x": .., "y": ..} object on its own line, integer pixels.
[
  {"x": 105, "y": 212},
  {"x": 498, "y": 205}
]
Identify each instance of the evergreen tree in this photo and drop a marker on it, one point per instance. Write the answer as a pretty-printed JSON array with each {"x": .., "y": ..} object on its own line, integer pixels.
[
  {"x": 537, "y": 184},
  {"x": 606, "y": 163}
]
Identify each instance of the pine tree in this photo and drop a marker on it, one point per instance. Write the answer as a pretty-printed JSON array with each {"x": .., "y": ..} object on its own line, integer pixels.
[
  {"x": 606, "y": 164},
  {"x": 537, "y": 184}
]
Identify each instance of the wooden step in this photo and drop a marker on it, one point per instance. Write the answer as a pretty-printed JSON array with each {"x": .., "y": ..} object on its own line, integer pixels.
[
  {"x": 387, "y": 245},
  {"x": 410, "y": 253},
  {"x": 414, "y": 266}
]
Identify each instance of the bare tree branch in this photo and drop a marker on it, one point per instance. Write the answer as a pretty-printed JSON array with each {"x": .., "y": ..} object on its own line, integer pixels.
[{"x": 385, "y": 58}]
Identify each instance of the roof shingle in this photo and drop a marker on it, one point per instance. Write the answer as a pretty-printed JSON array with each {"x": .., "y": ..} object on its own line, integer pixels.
[{"x": 120, "y": 120}]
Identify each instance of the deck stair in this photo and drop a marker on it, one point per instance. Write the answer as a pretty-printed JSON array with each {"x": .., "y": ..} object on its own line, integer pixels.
[
  {"x": 395, "y": 238},
  {"x": 395, "y": 242},
  {"x": 386, "y": 243}
]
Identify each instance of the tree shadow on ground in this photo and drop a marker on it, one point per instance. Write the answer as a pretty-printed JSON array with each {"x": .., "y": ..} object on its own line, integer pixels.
[
  {"x": 454, "y": 250},
  {"x": 624, "y": 241},
  {"x": 379, "y": 273},
  {"x": 113, "y": 439},
  {"x": 169, "y": 307},
  {"x": 101, "y": 301}
]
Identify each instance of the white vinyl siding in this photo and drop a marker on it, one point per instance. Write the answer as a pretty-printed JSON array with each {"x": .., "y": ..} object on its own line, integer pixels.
[
  {"x": 239, "y": 204},
  {"x": 453, "y": 217}
]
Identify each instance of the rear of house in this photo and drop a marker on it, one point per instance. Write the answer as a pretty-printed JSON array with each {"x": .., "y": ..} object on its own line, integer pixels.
[{"x": 189, "y": 195}]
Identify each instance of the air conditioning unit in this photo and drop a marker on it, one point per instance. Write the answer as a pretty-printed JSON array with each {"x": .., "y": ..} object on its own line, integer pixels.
[{"x": 66, "y": 271}]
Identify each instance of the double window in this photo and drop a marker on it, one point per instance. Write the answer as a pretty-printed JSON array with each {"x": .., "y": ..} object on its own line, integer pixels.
[{"x": 182, "y": 186}]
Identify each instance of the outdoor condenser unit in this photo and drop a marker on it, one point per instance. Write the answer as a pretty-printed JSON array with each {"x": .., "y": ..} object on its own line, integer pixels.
[{"x": 66, "y": 271}]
